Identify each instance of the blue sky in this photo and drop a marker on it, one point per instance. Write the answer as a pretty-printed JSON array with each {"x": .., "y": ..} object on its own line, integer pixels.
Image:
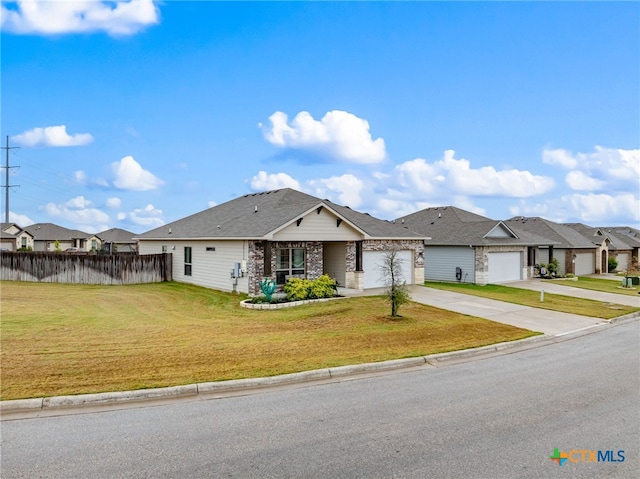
[{"x": 136, "y": 114}]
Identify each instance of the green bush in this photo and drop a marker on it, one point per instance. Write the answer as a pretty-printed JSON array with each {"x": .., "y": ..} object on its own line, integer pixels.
[
  {"x": 298, "y": 289},
  {"x": 612, "y": 264},
  {"x": 323, "y": 287}
]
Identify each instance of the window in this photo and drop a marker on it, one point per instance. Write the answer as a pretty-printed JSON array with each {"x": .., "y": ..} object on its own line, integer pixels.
[
  {"x": 289, "y": 262},
  {"x": 187, "y": 260},
  {"x": 94, "y": 245},
  {"x": 24, "y": 242},
  {"x": 164, "y": 248}
]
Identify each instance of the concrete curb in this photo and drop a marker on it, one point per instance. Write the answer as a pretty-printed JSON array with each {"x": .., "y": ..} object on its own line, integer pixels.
[{"x": 237, "y": 385}]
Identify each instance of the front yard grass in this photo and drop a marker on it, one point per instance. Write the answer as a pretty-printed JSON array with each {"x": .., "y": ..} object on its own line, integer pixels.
[
  {"x": 60, "y": 339},
  {"x": 524, "y": 297},
  {"x": 595, "y": 284}
]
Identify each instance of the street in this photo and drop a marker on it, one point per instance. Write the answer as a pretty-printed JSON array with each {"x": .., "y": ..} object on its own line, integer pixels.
[{"x": 499, "y": 417}]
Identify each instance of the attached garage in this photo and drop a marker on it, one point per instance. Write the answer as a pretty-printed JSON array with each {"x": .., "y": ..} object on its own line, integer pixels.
[
  {"x": 623, "y": 261},
  {"x": 440, "y": 263},
  {"x": 505, "y": 266},
  {"x": 372, "y": 263},
  {"x": 585, "y": 263}
]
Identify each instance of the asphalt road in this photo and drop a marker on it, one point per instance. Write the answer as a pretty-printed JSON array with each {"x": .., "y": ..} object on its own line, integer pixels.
[{"x": 499, "y": 417}]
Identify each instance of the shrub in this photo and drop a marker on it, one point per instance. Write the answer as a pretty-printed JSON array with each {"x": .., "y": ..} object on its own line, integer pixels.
[
  {"x": 323, "y": 287},
  {"x": 297, "y": 289},
  {"x": 268, "y": 287},
  {"x": 612, "y": 264}
]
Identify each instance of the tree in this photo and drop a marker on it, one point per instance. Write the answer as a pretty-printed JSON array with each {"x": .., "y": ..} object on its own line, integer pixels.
[{"x": 397, "y": 292}]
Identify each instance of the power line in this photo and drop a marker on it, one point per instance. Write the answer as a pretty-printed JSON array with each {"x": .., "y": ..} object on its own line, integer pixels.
[{"x": 6, "y": 185}]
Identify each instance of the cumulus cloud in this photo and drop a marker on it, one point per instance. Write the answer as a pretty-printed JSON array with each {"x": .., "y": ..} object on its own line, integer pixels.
[
  {"x": 458, "y": 176},
  {"x": 20, "y": 220},
  {"x": 80, "y": 212},
  {"x": 119, "y": 18},
  {"x": 129, "y": 175},
  {"x": 340, "y": 135},
  {"x": 344, "y": 190},
  {"x": 604, "y": 169},
  {"x": 114, "y": 203},
  {"x": 52, "y": 136},
  {"x": 264, "y": 181},
  {"x": 149, "y": 216}
]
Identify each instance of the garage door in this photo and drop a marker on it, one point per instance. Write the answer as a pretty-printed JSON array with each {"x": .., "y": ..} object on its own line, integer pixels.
[
  {"x": 623, "y": 261},
  {"x": 585, "y": 263},
  {"x": 440, "y": 263},
  {"x": 372, "y": 262},
  {"x": 505, "y": 267}
]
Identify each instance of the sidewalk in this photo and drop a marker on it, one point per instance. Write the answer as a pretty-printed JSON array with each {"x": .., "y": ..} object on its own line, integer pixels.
[
  {"x": 555, "y": 288},
  {"x": 534, "y": 319}
]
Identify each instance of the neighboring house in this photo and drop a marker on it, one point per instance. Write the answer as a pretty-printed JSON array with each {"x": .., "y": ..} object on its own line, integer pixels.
[
  {"x": 625, "y": 245},
  {"x": 576, "y": 254},
  {"x": 281, "y": 234},
  {"x": 117, "y": 240},
  {"x": 470, "y": 248},
  {"x": 598, "y": 238},
  {"x": 46, "y": 234},
  {"x": 13, "y": 237}
]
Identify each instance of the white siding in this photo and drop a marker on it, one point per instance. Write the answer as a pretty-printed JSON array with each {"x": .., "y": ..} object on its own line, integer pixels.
[
  {"x": 440, "y": 263},
  {"x": 210, "y": 269},
  {"x": 372, "y": 262},
  {"x": 321, "y": 226},
  {"x": 504, "y": 266},
  {"x": 585, "y": 263}
]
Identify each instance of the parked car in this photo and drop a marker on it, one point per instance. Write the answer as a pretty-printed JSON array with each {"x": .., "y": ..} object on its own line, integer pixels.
[{"x": 74, "y": 250}]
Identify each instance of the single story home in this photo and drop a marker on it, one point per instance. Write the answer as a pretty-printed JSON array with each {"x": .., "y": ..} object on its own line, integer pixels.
[
  {"x": 281, "y": 234},
  {"x": 576, "y": 253},
  {"x": 118, "y": 240},
  {"x": 625, "y": 246},
  {"x": 466, "y": 247},
  {"x": 14, "y": 238},
  {"x": 47, "y": 235}
]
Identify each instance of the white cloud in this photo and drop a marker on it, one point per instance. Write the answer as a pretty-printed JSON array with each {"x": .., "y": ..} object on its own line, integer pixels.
[
  {"x": 264, "y": 182},
  {"x": 593, "y": 209},
  {"x": 52, "y": 136},
  {"x": 114, "y": 203},
  {"x": 148, "y": 216},
  {"x": 80, "y": 177},
  {"x": 577, "y": 180},
  {"x": 129, "y": 175},
  {"x": 604, "y": 169},
  {"x": 346, "y": 188},
  {"x": 78, "y": 16},
  {"x": 20, "y": 220},
  {"x": 559, "y": 157},
  {"x": 80, "y": 212},
  {"x": 212, "y": 204},
  {"x": 452, "y": 175},
  {"x": 340, "y": 135}
]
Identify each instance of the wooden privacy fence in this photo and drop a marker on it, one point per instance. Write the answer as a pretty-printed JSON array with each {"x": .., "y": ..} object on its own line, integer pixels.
[{"x": 86, "y": 269}]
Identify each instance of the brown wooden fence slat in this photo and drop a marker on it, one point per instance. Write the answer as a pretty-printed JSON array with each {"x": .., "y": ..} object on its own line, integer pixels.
[{"x": 85, "y": 269}]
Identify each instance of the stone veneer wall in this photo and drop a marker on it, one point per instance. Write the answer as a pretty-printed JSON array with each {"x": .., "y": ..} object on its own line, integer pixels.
[
  {"x": 482, "y": 260},
  {"x": 255, "y": 264}
]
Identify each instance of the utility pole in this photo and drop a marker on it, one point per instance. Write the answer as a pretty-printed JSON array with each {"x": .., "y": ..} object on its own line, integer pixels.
[{"x": 6, "y": 185}]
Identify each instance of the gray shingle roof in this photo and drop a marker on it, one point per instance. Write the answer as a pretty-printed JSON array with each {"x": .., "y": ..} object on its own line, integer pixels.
[
  {"x": 117, "y": 235},
  {"x": 563, "y": 236},
  {"x": 258, "y": 214},
  {"x": 452, "y": 226},
  {"x": 622, "y": 237},
  {"x": 52, "y": 232}
]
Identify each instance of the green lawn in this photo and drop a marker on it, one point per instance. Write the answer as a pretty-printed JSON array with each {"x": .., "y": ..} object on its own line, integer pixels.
[
  {"x": 595, "y": 284},
  {"x": 70, "y": 339},
  {"x": 554, "y": 302}
]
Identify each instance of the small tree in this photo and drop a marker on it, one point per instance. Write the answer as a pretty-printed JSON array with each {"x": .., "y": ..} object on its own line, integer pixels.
[
  {"x": 56, "y": 245},
  {"x": 612, "y": 264},
  {"x": 397, "y": 292}
]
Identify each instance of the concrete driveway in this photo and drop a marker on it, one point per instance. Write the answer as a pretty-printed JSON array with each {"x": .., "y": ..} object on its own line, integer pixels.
[{"x": 534, "y": 319}]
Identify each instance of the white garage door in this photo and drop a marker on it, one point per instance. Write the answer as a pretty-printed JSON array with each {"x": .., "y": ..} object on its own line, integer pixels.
[
  {"x": 372, "y": 262},
  {"x": 585, "y": 263},
  {"x": 504, "y": 267}
]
